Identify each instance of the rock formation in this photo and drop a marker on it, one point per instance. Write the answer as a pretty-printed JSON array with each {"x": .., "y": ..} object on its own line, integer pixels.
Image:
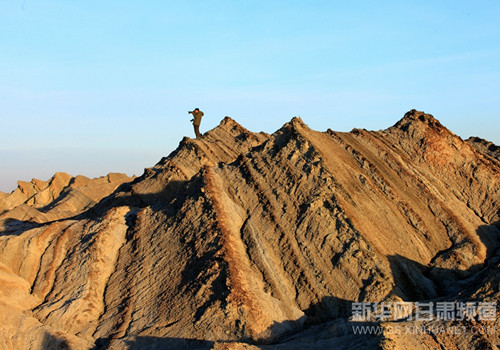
[
  {"x": 60, "y": 197},
  {"x": 243, "y": 240},
  {"x": 485, "y": 146}
]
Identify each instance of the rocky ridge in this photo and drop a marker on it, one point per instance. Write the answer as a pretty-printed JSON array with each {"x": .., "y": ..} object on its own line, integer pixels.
[
  {"x": 250, "y": 240},
  {"x": 485, "y": 146},
  {"x": 61, "y": 196}
]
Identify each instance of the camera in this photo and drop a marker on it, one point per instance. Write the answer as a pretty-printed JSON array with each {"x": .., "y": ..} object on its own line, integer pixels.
[{"x": 189, "y": 112}]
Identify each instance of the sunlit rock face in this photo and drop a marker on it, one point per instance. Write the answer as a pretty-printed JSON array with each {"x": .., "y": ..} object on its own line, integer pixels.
[{"x": 253, "y": 241}]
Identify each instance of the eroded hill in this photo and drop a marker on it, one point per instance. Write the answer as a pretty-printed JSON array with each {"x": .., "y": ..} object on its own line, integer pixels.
[{"x": 250, "y": 240}]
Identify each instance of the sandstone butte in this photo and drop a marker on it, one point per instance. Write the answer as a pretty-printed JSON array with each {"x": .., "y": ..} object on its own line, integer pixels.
[{"x": 243, "y": 240}]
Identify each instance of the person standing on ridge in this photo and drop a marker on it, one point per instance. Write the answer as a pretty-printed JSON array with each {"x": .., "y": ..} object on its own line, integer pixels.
[{"x": 197, "y": 114}]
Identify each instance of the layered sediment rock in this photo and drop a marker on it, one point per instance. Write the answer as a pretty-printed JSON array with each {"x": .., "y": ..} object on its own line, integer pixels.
[
  {"x": 60, "y": 197},
  {"x": 250, "y": 240}
]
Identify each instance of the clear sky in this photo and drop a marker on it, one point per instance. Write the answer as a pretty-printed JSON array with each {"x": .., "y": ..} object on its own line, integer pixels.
[{"x": 91, "y": 87}]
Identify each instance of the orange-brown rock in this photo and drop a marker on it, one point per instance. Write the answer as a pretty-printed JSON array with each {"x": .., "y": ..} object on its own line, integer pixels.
[
  {"x": 60, "y": 197},
  {"x": 243, "y": 240}
]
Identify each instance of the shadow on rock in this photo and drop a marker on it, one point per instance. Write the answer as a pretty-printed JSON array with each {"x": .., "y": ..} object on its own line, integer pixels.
[{"x": 52, "y": 342}]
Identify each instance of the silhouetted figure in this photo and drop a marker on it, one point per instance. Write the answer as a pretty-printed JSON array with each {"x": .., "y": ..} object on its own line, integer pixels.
[{"x": 197, "y": 114}]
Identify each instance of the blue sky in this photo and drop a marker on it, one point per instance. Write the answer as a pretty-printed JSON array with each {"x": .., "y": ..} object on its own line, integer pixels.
[{"x": 91, "y": 87}]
